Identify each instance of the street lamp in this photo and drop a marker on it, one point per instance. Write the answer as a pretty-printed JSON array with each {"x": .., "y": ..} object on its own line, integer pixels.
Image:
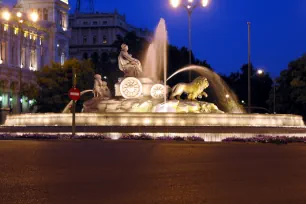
[
  {"x": 6, "y": 15},
  {"x": 260, "y": 71},
  {"x": 190, "y": 6},
  {"x": 34, "y": 17}
]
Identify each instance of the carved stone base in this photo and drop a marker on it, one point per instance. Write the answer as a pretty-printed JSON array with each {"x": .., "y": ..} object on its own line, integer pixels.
[
  {"x": 148, "y": 105},
  {"x": 146, "y": 85}
]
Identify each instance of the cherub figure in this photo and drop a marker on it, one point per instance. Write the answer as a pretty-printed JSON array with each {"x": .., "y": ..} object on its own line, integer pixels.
[{"x": 100, "y": 87}]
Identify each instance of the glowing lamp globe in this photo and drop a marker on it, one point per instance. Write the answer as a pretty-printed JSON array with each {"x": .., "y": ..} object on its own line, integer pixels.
[
  {"x": 19, "y": 14},
  {"x": 205, "y": 3},
  {"x": 6, "y": 15},
  {"x": 34, "y": 16},
  {"x": 260, "y": 72},
  {"x": 175, "y": 3}
]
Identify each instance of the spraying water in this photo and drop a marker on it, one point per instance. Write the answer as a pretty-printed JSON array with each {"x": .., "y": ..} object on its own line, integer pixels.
[
  {"x": 156, "y": 58},
  {"x": 226, "y": 98}
]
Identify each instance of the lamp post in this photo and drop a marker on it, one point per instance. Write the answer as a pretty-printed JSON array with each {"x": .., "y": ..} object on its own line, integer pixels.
[
  {"x": 274, "y": 95},
  {"x": 249, "y": 67},
  {"x": 190, "y": 6}
]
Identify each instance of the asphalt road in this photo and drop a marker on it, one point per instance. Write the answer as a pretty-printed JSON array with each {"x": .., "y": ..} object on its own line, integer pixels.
[{"x": 64, "y": 172}]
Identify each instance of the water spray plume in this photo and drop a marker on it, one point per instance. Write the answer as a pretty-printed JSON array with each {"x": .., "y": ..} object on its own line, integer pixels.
[
  {"x": 156, "y": 58},
  {"x": 219, "y": 89}
]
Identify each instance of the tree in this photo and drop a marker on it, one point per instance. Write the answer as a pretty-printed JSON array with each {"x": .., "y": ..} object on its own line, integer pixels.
[
  {"x": 56, "y": 80},
  {"x": 291, "y": 89},
  {"x": 260, "y": 86}
]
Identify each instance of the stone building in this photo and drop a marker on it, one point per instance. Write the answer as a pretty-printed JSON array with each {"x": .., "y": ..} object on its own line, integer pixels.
[
  {"x": 33, "y": 33},
  {"x": 96, "y": 32}
]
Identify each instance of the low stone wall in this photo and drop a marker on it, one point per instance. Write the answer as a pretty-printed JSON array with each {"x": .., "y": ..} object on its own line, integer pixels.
[{"x": 157, "y": 120}]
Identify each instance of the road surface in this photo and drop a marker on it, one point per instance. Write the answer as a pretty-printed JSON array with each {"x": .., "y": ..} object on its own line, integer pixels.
[{"x": 139, "y": 172}]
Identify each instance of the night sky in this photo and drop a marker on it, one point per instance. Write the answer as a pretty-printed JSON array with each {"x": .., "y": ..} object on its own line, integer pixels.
[{"x": 220, "y": 30}]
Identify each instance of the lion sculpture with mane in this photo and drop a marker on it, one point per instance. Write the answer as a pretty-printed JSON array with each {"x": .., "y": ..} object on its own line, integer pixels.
[{"x": 194, "y": 89}]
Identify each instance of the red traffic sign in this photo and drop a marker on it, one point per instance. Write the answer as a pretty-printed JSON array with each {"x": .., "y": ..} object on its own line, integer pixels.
[{"x": 74, "y": 94}]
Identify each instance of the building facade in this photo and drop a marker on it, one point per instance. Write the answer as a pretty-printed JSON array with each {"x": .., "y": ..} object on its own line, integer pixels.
[
  {"x": 33, "y": 34},
  {"x": 96, "y": 32}
]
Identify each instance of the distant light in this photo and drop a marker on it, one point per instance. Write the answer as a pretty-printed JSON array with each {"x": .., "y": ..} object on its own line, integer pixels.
[
  {"x": 34, "y": 16},
  {"x": 31, "y": 101},
  {"x": 21, "y": 100},
  {"x": 11, "y": 99},
  {"x": 57, "y": 45},
  {"x": 175, "y": 3},
  {"x": 6, "y": 15},
  {"x": 105, "y": 77},
  {"x": 20, "y": 21},
  {"x": 1, "y": 98},
  {"x": 205, "y": 3},
  {"x": 227, "y": 96},
  {"x": 260, "y": 72},
  {"x": 190, "y": 1},
  {"x": 19, "y": 14},
  {"x": 188, "y": 6},
  {"x": 243, "y": 102}
]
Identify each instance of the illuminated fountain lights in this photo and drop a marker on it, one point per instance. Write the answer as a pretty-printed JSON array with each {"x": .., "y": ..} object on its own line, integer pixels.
[{"x": 211, "y": 126}]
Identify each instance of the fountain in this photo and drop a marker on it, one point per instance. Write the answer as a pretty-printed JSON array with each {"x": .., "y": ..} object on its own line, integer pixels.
[{"x": 143, "y": 103}]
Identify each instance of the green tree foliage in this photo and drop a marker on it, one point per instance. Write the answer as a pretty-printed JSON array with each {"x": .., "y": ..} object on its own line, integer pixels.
[
  {"x": 260, "y": 86},
  {"x": 56, "y": 80},
  {"x": 291, "y": 89}
]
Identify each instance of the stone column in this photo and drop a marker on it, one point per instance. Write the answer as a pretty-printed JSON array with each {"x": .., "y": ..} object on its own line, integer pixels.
[
  {"x": 25, "y": 104},
  {"x": 16, "y": 103},
  {"x": 5, "y": 110},
  {"x": 8, "y": 46},
  {"x": 37, "y": 55},
  {"x": 27, "y": 59},
  {"x": 19, "y": 49}
]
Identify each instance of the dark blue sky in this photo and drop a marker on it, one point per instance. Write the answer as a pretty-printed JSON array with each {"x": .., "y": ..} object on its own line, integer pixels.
[{"x": 220, "y": 30}]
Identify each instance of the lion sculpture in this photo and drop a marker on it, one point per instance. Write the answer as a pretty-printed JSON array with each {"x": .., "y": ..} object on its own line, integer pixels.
[{"x": 194, "y": 89}]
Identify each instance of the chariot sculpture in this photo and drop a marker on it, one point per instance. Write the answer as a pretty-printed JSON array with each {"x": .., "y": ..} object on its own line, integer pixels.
[{"x": 133, "y": 85}]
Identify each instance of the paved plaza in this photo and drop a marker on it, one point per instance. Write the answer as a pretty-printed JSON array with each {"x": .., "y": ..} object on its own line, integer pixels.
[{"x": 141, "y": 172}]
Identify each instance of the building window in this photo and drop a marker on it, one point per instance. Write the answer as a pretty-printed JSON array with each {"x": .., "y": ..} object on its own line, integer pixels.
[
  {"x": 85, "y": 23},
  {"x": 62, "y": 19},
  {"x": 104, "y": 40},
  {"x": 94, "y": 40},
  {"x": 62, "y": 58},
  {"x": 33, "y": 60},
  {"x": 85, "y": 56},
  {"x": 5, "y": 27},
  {"x": 85, "y": 40},
  {"x": 2, "y": 52},
  {"x": 45, "y": 12},
  {"x": 95, "y": 23},
  {"x": 2, "y": 60},
  {"x": 104, "y": 22},
  {"x": 40, "y": 14},
  {"x": 22, "y": 57},
  {"x": 13, "y": 55}
]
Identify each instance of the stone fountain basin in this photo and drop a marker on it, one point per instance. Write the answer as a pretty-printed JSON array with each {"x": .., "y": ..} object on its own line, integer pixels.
[{"x": 157, "y": 120}]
